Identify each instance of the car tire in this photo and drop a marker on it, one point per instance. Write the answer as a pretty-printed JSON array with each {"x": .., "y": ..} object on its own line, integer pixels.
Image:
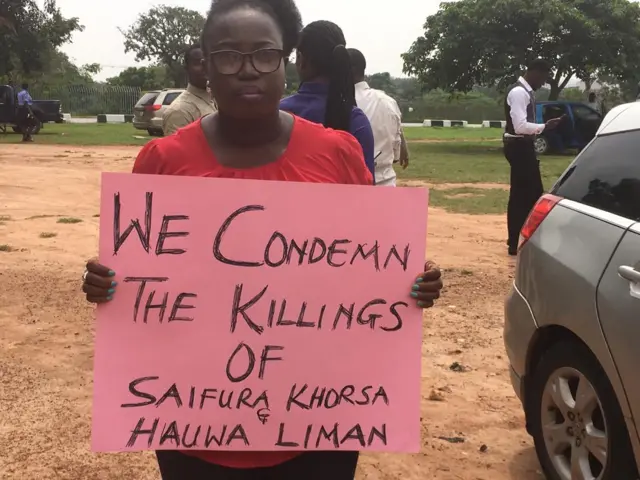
[
  {"x": 560, "y": 373},
  {"x": 36, "y": 130},
  {"x": 541, "y": 145},
  {"x": 155, "y": 133}
]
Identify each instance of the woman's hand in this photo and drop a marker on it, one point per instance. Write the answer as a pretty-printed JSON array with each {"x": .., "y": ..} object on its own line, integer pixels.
[
  {"x": 427, "y": 288},
  {"x": 98, "y": 282}
]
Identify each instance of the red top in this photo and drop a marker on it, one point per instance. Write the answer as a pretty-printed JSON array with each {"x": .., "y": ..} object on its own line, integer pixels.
[{"x": 314, "y": 154}]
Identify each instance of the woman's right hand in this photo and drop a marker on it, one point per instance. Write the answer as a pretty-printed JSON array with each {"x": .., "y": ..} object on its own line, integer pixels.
[{"x": 98, "y": 282}]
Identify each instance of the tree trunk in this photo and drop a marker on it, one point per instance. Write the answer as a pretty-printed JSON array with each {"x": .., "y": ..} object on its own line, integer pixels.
[
  {"x": 554, "y": 93},
  {"x": 588, "y": 83}
]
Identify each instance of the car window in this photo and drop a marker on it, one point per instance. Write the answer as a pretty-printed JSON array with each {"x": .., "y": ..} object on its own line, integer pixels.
[
  {"x": 147, "y": 99},
  {"x": 606, "y": 175},
  {"x": 170, "y": 97},
  {"x": 583, "y": 112},
  {"x": 553, "y": 111}
]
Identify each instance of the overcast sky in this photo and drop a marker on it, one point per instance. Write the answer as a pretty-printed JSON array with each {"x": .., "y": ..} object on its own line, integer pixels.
[{"x": 382, "y": 30}]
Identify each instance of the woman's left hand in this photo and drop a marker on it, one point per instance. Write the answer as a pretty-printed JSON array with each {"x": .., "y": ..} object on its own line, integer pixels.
[{"x": 427, "y": 288}]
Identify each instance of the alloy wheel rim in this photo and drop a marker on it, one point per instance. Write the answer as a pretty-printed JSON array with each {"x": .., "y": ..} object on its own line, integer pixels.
[
  {"x": 574, "y": 427},
  {"x": 540, "y": 145}
]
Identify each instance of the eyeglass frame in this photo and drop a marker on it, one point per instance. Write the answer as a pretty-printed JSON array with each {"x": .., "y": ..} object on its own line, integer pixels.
[{"x": 244, "y": 57}]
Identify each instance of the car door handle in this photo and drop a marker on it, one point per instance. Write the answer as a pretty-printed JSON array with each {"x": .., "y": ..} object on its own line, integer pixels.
[{"x": 629, "y": 273}]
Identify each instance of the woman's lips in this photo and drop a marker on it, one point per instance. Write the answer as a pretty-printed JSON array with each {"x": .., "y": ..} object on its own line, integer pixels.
[{"x": 250, "y": 92}]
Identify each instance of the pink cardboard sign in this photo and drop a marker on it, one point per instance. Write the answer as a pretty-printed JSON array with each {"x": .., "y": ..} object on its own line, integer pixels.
[{"x": 254, "y": 315}]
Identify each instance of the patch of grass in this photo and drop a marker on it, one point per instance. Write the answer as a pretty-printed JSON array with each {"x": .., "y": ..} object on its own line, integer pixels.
[
  {"x": 69, "y": 220},
  {"x": 471, "y": 162},
  {"x": 452, "y": 133},
  {"x": 5, "y": 218},
  {"x": 37, "y": 217},
  {"x": 6, "y": 248},
  {"x": 48, "y": 235},
  {"x": 473, "y": 201},
  {"x": 97, "y": 215},
  {"x": 84, "y": 134}
]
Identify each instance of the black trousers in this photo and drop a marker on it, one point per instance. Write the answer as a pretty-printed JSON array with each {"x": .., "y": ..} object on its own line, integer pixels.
[
  {"x": 25, "y": 121},
  {"x": 308, "y": 466},
  {"x": 526, "y": 185}
]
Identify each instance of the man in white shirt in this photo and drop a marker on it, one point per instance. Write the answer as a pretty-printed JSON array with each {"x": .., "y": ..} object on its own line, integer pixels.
[
  {"x": 386, "y": 122},
  {"x": 519, "y": 137}
]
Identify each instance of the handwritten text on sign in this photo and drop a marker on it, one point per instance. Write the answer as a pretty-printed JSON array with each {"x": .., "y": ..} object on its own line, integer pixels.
[{"x": 258, "y": 316}]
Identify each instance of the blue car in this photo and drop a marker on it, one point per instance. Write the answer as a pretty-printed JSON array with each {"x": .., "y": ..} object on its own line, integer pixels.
[{"x": 575, "y": 132}]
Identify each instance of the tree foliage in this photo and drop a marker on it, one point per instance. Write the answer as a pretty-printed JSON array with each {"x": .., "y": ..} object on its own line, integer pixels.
[
  {"x": 162, "y": 35},
  {"x": 30, "y": 35},
  {"x": 488, "y": 42},
  {"x": 153, "y": 77}
]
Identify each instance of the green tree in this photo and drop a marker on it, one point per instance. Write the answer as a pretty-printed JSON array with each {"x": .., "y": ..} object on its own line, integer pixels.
[
  {"x": 488, "y": 42},
  {"x": 30, "y": 35},
  {"x": 162, "y": 35},
  {"x": 57, "y": 70},
  {"x": 382, "y": 81},
  {"x": 153, "y": 77},
  {"x": 292, "y": 82}
]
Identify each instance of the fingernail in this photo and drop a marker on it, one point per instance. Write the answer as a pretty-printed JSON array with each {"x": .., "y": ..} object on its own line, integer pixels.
[
  {"x": 113, "y": 284},
  {"x": 112, "y": 273},
  {"x": 416, "y": 287},
  {"x": 419, "y": 279},
  {"x": 111, "y": 291},
  {"x": 109, "y": 298},
  {"x": 414, "y": 294}
]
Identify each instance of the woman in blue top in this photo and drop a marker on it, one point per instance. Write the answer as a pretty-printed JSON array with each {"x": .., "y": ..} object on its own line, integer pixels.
[{"x": 327, "y": 93}]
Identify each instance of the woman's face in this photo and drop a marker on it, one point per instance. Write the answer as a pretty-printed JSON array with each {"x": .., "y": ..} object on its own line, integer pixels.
[{"x": 244, "y": 88}]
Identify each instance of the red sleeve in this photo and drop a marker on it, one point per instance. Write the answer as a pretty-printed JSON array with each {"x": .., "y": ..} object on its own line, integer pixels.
[
  {"x": 351, "y": 159},
  {"x": 150, "y": 159}
]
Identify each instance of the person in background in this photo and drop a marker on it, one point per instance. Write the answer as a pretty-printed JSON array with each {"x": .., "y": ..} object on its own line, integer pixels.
[
  {"x": 245, "y": 44},
  {"x": 26, "y": 120},
  {"x": 195, "y": 102},
  {"x": 519, "y": 137},
  {"x": 593, "y": 102},
  {"x": 386, "y": 122},
  {"x": 327, "y": 92}
]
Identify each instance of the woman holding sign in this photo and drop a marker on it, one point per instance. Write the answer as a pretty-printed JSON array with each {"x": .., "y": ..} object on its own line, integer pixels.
[{"x": 245, "y": 43}]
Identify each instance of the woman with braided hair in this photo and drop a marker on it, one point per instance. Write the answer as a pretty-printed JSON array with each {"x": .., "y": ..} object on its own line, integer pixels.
[{"x": 327, "y": 92}]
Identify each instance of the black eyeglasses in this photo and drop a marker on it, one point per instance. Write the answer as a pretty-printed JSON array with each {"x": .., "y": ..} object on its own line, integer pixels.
[{"x": 231, "y": 62}]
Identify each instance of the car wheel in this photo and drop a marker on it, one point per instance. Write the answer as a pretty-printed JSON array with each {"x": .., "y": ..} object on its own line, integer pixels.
[
  {"x": 575, "y": 417},
  {"x": 16, "y": 129},
  {"x": 154, "y": 133},
  {"x": 541, "y": 145}
]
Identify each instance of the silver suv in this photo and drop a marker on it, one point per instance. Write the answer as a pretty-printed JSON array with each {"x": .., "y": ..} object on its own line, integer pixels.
[
  {"x": 572, "y": 318},
  {"x": 148, "y": 112}
]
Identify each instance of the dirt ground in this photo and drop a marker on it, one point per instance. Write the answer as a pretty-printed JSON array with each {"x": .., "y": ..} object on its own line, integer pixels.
[{"x": 46, "y": 336}]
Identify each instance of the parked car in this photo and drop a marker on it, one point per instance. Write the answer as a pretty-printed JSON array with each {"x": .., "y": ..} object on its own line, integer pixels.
[
  {"x": 572, "y": 318},
  {"x": 44, "y": 110},
  {"x": 150, "y": 108},
  {"x": 576, "y": 131}
]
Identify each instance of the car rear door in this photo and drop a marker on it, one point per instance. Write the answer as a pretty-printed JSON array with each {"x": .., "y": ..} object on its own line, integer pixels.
[
  {"x": 586, "y": 122},
  {"x": 578, "y": 239},
  {"x": 618, "y": 295}
]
